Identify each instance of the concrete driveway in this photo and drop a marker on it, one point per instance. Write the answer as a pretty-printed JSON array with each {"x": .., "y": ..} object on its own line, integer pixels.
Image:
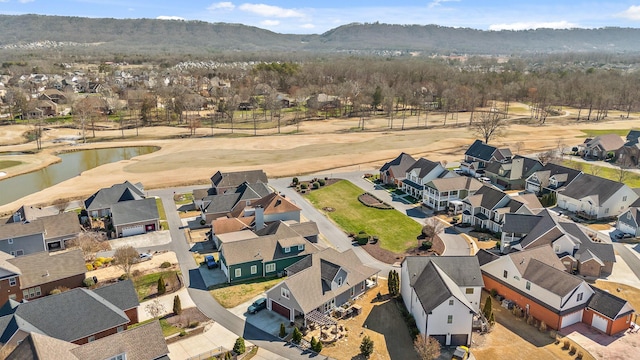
[
  {"x": 212, "y": 277},
  {"x": 265, "y": 320},
  {"x": 603, "y": 346},
  {"x": 143, "y": 241}
]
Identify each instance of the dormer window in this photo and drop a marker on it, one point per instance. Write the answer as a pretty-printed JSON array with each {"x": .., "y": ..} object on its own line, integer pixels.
[
  {"x": 287, "y": 250},
  {"x": 300, "y": 247},
  {"x": 10, "y": 241},
  {"x": 339, "y": 281}
]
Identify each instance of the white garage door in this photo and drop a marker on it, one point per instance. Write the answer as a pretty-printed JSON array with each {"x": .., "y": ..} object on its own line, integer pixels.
[
  {"x": 572, "y": 207},
  {"x": 133, "y": 230},
  {"x": 571, "y": 319},
  {"x": 599, "y": 323}
]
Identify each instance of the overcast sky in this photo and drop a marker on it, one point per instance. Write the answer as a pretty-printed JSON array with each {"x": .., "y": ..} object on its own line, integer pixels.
[{"x": 303, "y": 17}]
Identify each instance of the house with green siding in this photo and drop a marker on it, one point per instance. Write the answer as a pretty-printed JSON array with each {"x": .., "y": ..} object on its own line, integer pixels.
[{"x": 246, "y": 254}]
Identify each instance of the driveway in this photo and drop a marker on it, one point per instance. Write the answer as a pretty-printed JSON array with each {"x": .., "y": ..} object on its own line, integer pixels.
[
  {"x": 603, "y": 346},
  {"x": 212, "y": 277},
  {"x": 143, "y": 241},
  {"x": 265, "y": 320}
]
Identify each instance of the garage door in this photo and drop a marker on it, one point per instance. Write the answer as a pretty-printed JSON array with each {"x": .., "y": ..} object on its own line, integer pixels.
[
  {"x": 132, "y": 230},
  {"x": 599, "y": 323},
  {"x": 442, "y": 339},
  {"x": 282, "y": 310},
  {"x": 571, "y": 319},
  {"x": 458, "y": 339}
]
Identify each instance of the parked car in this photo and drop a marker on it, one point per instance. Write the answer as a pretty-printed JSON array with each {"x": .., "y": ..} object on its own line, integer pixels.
[
  {"x": 257, "y": 306},
  {"x": 145, "y": 257},
  {"x": 461, "y": 353},
  {"x": 623, "y": 236},
  {"x": 210, "y": 261}
]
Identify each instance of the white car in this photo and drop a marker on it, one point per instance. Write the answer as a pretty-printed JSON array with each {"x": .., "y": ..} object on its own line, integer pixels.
[{"x": 145, "y": 257}]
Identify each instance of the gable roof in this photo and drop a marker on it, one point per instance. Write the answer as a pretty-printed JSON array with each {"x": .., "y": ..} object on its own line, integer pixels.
[
  {"x": 551, "y": 278},
  {"x": 602, "y": 251},
  {"x": 16, "y": 230},
  {"x": 37, "y": 346},
  {"x": 234, "y": 179},
  {"x": 485, "y": 152},
  {"x": 42, "y": 267},
  {"x": 121, "y": 294},
  {"x": 106, "y": 197},
  {"x": 485, "y": 257},
  {"x": 226, "y": 225},
  {"x": 6, "y": 267},
  {"x": 608, "y": 142},
  {"x": 608, "y": 304},
  {"x": 425, "y": 166},
  {"x": 562, "y": 173},
  {"x": 59, "y": 225},
  {"x": 599, "y": 189},
  {"x": 128, "y": 212},
  {"x": 455, "y": 183},
  {"x": 30, "y": 213},
  {"x": 522, "y": 259},
  {"x": 225, "y": 202},
  {"x": 530, "y": 200},
  {"x": 520, "y": 223},
  {"x": 272, "y": 203},
  {"x": 487, "y": 197},
  {"x": 399, "y": 165}
]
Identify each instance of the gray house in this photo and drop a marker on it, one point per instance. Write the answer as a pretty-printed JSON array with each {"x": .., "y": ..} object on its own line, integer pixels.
[
  {"x": 100, "y": 203},
  {"x": 47, "y": 233},
  {"x": 135, "y": 217},
  {"x": 320, "y": 283}
]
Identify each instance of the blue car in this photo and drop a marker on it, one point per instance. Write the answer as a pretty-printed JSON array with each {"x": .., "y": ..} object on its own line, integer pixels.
[
  {"x": 211, "y": 262},
  {"x": 257, "y": 306}
]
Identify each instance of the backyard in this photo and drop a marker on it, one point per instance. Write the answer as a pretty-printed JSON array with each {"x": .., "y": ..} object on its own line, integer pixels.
[
  {"x": 233, "y": 295},
  {"x": 631, "y": 179},
  {"x": 339, "y": 201}
]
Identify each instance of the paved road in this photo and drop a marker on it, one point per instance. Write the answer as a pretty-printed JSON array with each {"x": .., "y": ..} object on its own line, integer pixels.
[
  {"x": 199, "y": 294},
  {"x": 631, "y": 259}
]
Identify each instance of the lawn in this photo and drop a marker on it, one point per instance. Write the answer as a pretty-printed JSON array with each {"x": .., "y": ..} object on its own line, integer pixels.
[
  {"x": 183, "y": 199},
  {"x": 396, "y": 231},
  {"x": 597, "y": 132},
  {"x": 148, "y": 284},
  {"x": 167, "y": 329},
  {"x": 234, "y": 295},
  {"x": 630, "y": 179},
  {"x": 164, "y": 224},
  {"x": 4, "y": 164}
]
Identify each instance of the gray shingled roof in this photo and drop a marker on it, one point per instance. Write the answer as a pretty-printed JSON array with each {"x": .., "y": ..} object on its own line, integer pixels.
[
  {"x": 520, "y": 223},
  {"x": 121, "y": 294},
  {"x": 550, "y": 278},
  {"x": 550, "y": 169},
  {"x": 480, "y": 150},
  {"x": 603, "y": 251},
  {"x": 608, "y": 304},
  {"x": 234, "y": 179},
  {"x": 105, "y": 198},
  {"x": 600, "y": 189},
  {"x": 464, "y": 270},
  {"x": 223, "y": 203},
  {"x": 60, "y": 225},
  {"x": 42, "y": 267},
  {"x": 485, "y": 257},
  {"x": 399, "y": 165},
  {"x": 128, "y": 212},
  {"x": 16, "y": 230},
  {"x": 425, "y": 166},
  {"x": 488, "y": 197}
]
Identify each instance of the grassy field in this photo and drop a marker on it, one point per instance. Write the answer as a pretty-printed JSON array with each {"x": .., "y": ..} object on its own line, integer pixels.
[
  {"x": 396, "y": 231},
  {"x": 167, "y": 329},
  {"x": 148, "y": 284},
  {"x": 597, "y": 132},
  {"x": 234, "y": 295},
  {"x": 164, "y": 224},
  {"x": 630, "y": 179},
  {"x": 183, "y": 199},
  {"x": 4, "y": 164}
]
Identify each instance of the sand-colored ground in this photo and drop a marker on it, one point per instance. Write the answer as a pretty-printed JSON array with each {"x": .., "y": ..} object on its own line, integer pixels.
[{"x": 320, "y": 146}]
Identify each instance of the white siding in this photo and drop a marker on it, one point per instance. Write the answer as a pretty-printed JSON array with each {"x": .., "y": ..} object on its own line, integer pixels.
[
  {"x": 571, "y": 300},
  {"x": 462, "y": 318}
]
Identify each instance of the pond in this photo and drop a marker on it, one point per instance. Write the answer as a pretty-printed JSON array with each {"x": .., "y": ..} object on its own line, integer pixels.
[{"x": 72, "y": 165}]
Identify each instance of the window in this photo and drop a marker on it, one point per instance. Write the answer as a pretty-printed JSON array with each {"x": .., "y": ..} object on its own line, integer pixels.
[
  {"x": 19, "y": 252},
  {"x": 10, "y": 241},
  {"x": 284, "y": 292},
  {"x": 254, "y": 269},
  {"x": 450, "y": 302},
  {"x": 238, "y": 272},
  {"x": 301, "y": 247},
  {"x": 505, "y": 274},
  {"x": 270, "y": 267},
  {"x": 287, "y": 250},
  {"x": 12, "y": 281},
  {"x": 606, "y": 211},
  {"x": 31, "y": 292},
  {"x": 91, "y": 338},
  {"x": 339, "y": 281},
  {"x": 629, "y": 215},
  {"x": 468, "y": 291},
  {"x": 122, "y": 356},
  {"x": 353, "y": 291},
  {"x": 556, "y": 248},
  {"x": 120, "y": 329},
  {"x": 624, "y": 198},
  {"x": 528, "y": 285},
  {"x": 579, "y": 297},
  {"x": 450, "y": 319}
]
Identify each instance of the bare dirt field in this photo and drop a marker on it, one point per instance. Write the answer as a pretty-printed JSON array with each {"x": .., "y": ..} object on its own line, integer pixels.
[{"x": 319, "y": 146}]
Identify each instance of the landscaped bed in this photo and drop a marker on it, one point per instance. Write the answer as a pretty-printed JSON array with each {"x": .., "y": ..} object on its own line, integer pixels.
[
  {"x": 396, "y": 231},
  {"x": 147, "y": 285}
]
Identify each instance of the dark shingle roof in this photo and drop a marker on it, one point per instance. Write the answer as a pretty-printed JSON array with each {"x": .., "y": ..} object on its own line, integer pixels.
[
  {"x": 489, "y": 196},
  {"x": 520, "y": 223},
  {"x": 128, "y": 212},
  {"x": 480, "y": 150},
  {"x": 234, "y": 179},
  {"x": 328, "y": 270},
  {"x": 485, "y": 257},
  {"x": 607, "y": 304},
  {"x": 589, "y": 185},
  {"x": 106, "y": 197},
  {"x": 399, "y": 165},
  {"x": 121, "y": 294},
  {"x": 550, "y": 278},
  {"x": 425, "y": 166},
  {"x": 602, "y": 251}
]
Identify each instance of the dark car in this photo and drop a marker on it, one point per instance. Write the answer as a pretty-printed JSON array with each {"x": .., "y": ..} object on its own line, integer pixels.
[
  {"x": 623, "y": 236},
  {"x": 211, "y": 262},
  {"x": 257, "y": 306}
]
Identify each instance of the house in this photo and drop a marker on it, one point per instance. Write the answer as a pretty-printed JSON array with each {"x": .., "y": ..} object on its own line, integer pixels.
[
  {"x": 323, "y": 102},
  {"x": 99, "y": 204},
  {"x": 92, "y": 315},
  {"x": 479, "y": 154},
  {"x": 420, "y": 173},
  {"x": 536, "y": 281},
  {"x": 593, "y": 197},
  {"x": 601, "y": 146},
  {"x": 447, "y": 193},
  {"x": 629, "y": 221},
  {"x": 47, "y": 233},
  {"x": 319, "y": 283},
  {"x": 221, "y": 182},
  {"x": 443, "y": 295},
  {"x": 575, "y": 249},
  {"x": 487, "y": 207},
  {"x": 40, "y": 273},
  {"x": 629, "y": 153},
  {"x": 54, "y": 95},
  {"x": 145, "y": 342},
  {"x": 394, "y": 171},
  {"x": 30, "y": 213},
  {"x": 135, "y": 217},
  {"x": 268, "y": 209},
  {"x": 267, "y": 252},
  {"x": 550, "y": 178},
  {"x": 224, "y": 203},
  {"x": 512, "y": 174}
]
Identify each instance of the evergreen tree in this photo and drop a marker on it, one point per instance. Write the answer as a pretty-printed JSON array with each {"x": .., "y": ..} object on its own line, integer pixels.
[
  {"x": 239, "y": 347},
  {"x": 366, "y": 347},
  {"x": 487, "y": 310},
  {"x": 283, "y": 330},
  {"x": 177, "y": 306},
  {"x": 162, "y": 288},
  {"x": 297, "y": 336},
  {"x": 313, "y": 343},
  {"x": 318, "y": 347},
  {"x": 393, "y": 283}
]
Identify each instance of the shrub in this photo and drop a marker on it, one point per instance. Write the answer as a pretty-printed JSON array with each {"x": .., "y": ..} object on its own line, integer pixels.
[
  {"x": 487, "y": 310},
  {"x": 88, "y": 282},
  {"x": 316, "y": 185},
  {"x": 162, "y": 287},
  {"x": 304, "y": 186},
  {"x": 497, "y": 244},
  {"x": 295, "y": 181},
  {"x": 89, "y": 267},
  {"x": 283, "y": 331},
  {"x": 123, "y": 277},
  {"x": 183, "y": 333},
  {"x": 426, "y": 245},
  {"x": 313, "y": 342},
  {"x": 494, "y": 292},
  {"x": 239, "y": 347},
  {"x": 580, "y": 355},
  {"x": 530, "y": 320},
  {"x": 362, "y": 239},
  {"x": 165, "y": 265},
  {"x": 318, "y": 347},
  {"x": 366, "y": 347},
  {"x": 55, "y": 292},
  {"x": 573, "y": 349},
  {"x": 177, "y": 305},
  {"x": 321, "y": 182},
  {"x": 202, "y": 222},
  {"x": 543, "y": 326},
  {"x": 97, "y": 264},
  {"x": 566, "y": 344},
  {"x": 297, "y": 336}
]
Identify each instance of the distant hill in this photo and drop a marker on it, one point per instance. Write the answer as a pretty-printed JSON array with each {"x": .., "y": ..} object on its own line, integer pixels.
[{"x": 196, "y": 37}]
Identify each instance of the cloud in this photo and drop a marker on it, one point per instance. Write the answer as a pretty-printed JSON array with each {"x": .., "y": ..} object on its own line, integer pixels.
[
  {"x": 225, "y": 5},
  {"x": 165, "y": 17},
  {"x": 26, "y": 1},
  {"x": 270, "y": 11},
  {"x": 435, "y": 3},
  {"x": 270, "y": 22},
  {"x": 534, "y": 25},
  {"x": 307, "y": 26},
  {"x": 632, "y": 13}
]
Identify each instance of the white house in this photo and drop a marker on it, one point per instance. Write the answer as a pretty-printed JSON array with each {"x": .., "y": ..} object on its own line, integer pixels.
[
  {"x": 443, "y": 295},
  {"x": 488, "y": 206},
  {"x": 629, "y": 221},
  {"x": 550, "y": 178},
  {"x": 593, "y": 197},
  {"x": 440, "y": 193},
  {"x": 420, "y": 173}
]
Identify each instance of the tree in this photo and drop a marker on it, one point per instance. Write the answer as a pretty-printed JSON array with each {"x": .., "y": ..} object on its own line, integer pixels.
[
  {"x": 427, "y": 349},
  {"x": 313, "y": 342},
  {"x": 162, "y": 288},
  {"x": 376, "y": 98},
  {"x": 155, "y": 308},
  {"x": 318, "y": 347},
  {"x": 393, "y": 283},
  {"x": 177, "y": 306},
  {"x": 297, "y": 336},
  {"x": 487, "y": 310},
  {"x": 125, "y": 257},
  {"x": 366, "y": 347},
  {"x": 239, "y": 346},
  {"x": 432, "y": 227},
  {"x": 488, "y": 125},
  {"x": 283, "y": 331}
]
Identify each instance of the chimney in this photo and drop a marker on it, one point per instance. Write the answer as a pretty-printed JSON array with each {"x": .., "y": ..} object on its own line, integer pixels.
[{"x": 259, "y": 217}]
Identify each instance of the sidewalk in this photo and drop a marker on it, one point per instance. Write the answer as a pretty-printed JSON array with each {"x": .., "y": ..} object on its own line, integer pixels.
[{"x": 167, "y": 302}]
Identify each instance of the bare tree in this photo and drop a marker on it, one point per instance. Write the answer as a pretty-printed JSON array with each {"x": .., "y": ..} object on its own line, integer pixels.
[
  {"x": 546, "y": 156},
  {"x": 90, "y": 242},
  {"x": 125, "y": 257},
  {"x": 518, "y": 146},
  {"x": 488, "y": 125},
  {"x": 427, "y": 348},
  {"x": 432, "y": 227},
  {"x": 155, "y": 308}
]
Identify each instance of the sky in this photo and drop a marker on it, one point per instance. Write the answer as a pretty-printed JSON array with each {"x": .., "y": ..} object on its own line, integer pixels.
[{"x": 316, "y": 17}]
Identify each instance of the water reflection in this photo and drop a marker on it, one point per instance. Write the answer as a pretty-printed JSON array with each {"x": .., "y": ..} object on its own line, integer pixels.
[{"x": 72, "y": 165}]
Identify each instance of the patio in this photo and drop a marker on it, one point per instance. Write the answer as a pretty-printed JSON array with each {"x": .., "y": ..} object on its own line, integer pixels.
[{"x": 603, "y": 346}]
